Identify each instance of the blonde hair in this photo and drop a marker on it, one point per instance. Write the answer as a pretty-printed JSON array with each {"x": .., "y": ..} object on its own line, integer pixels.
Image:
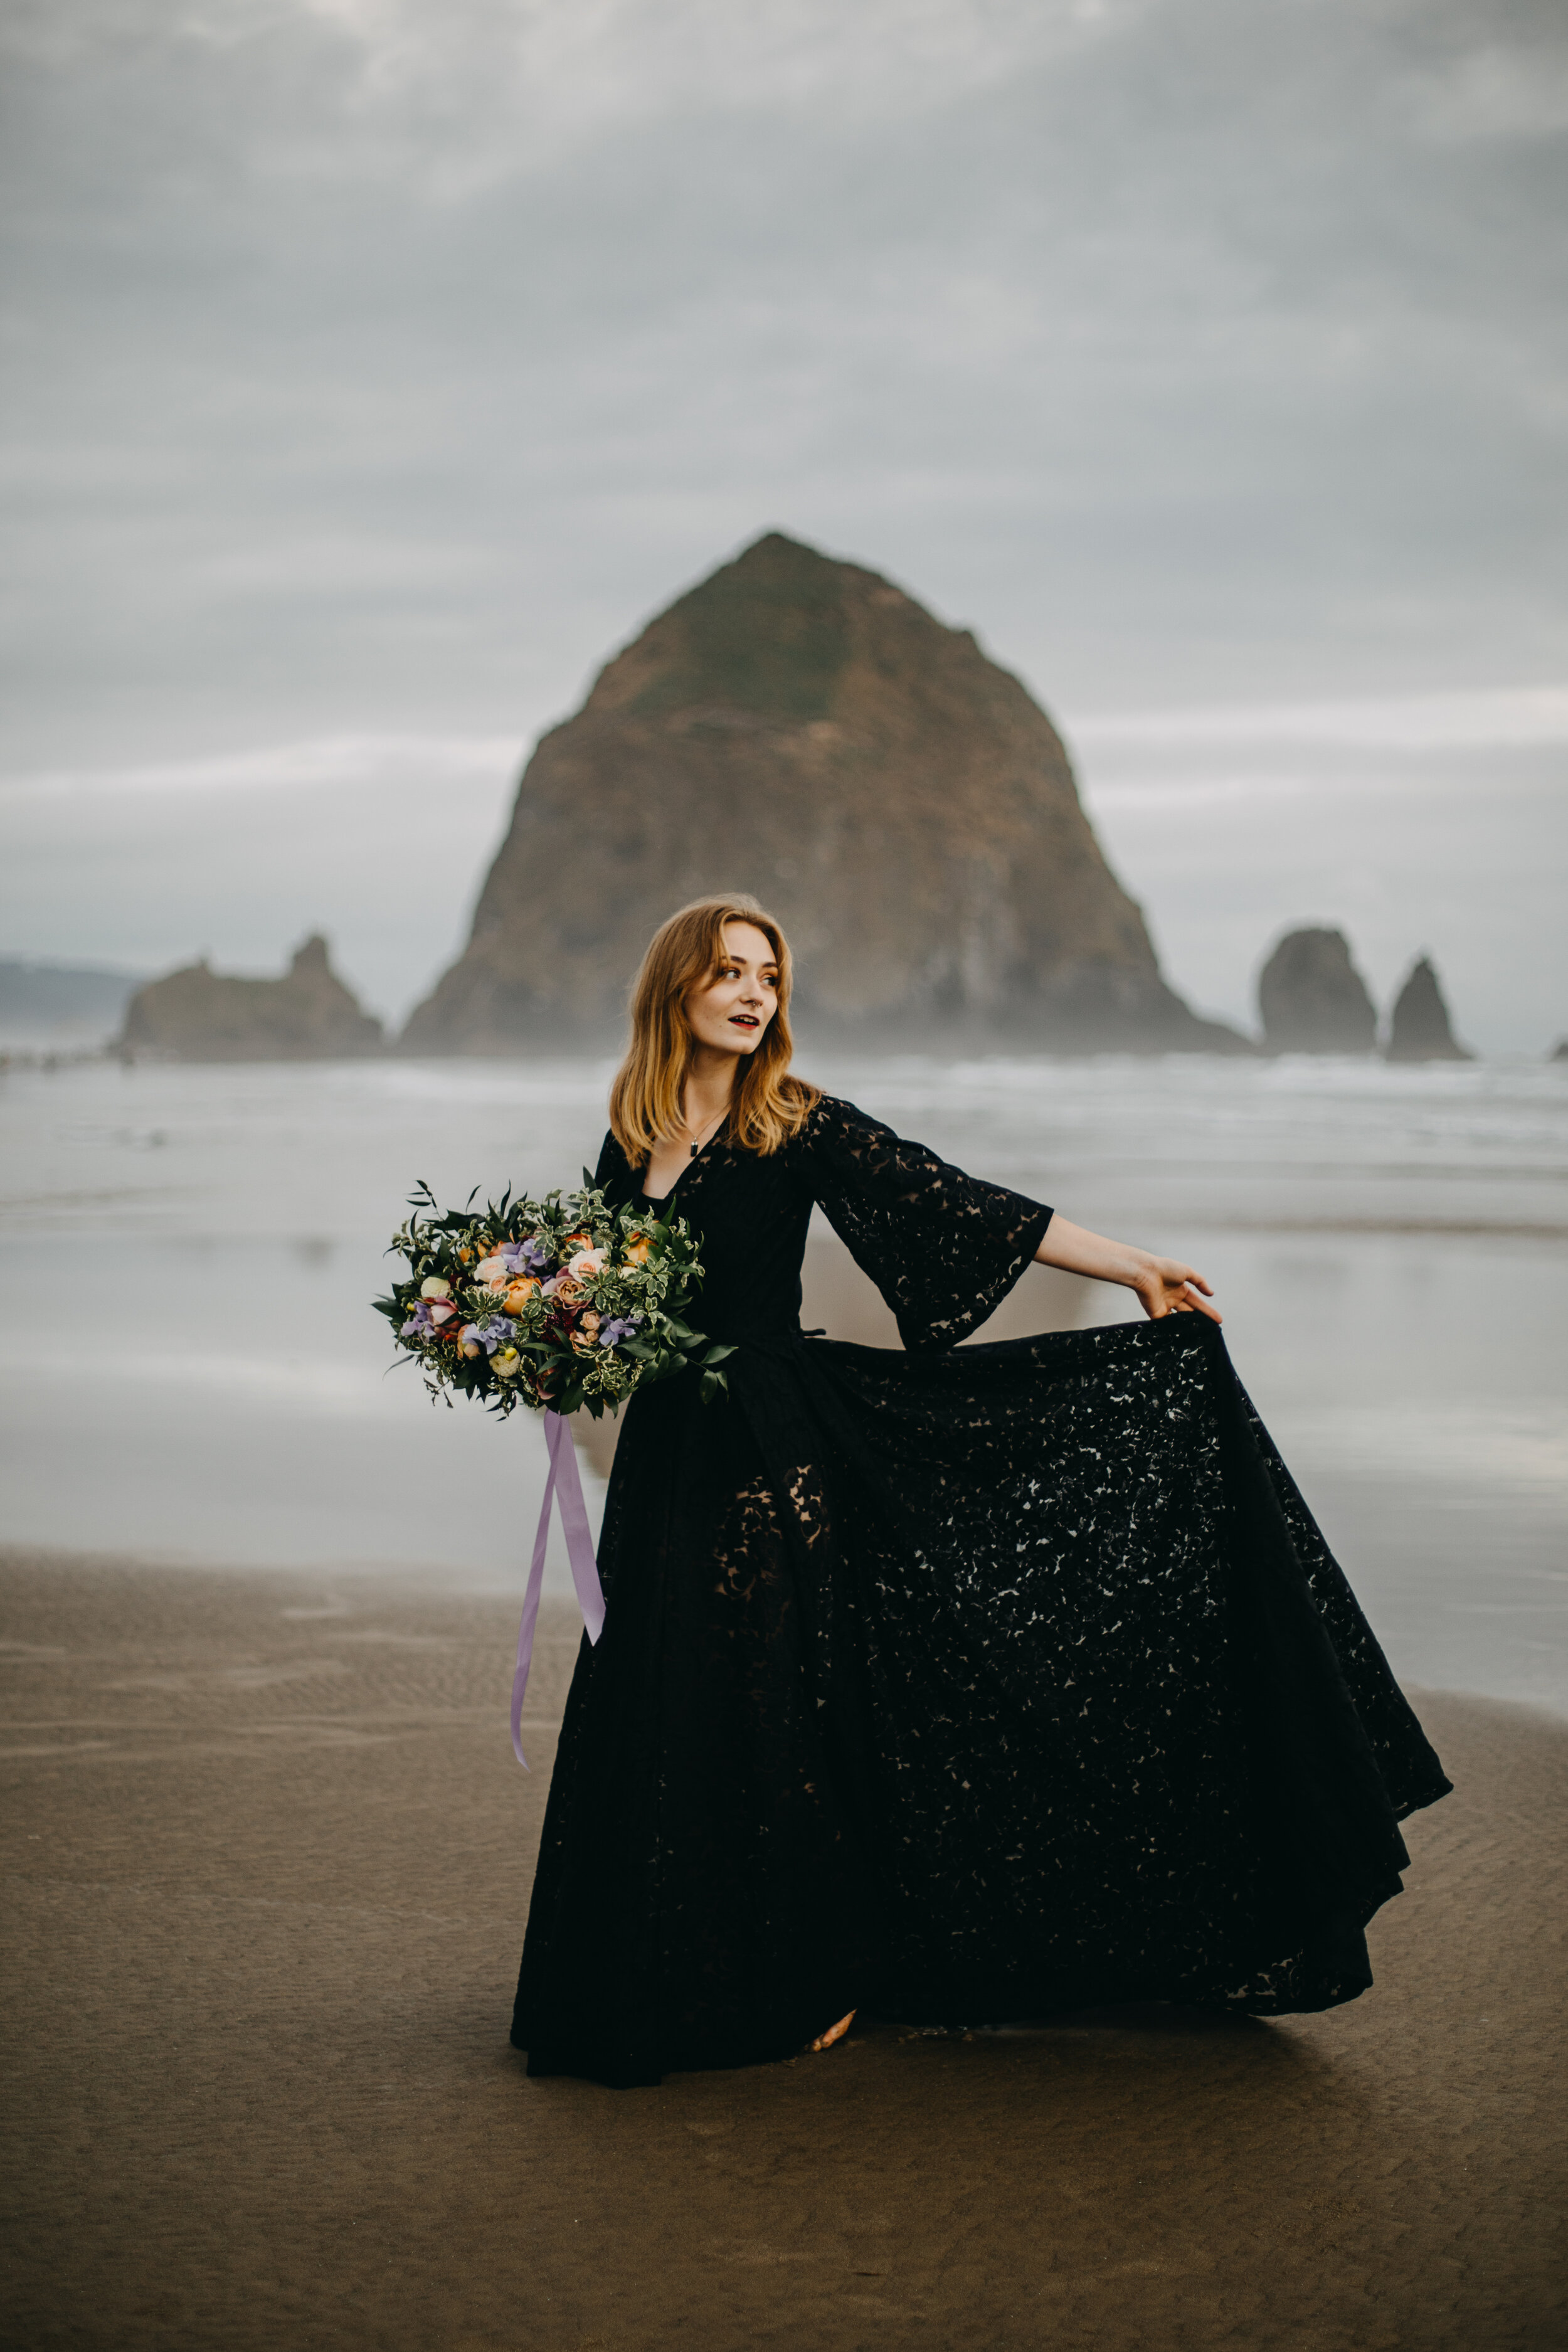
[{"x": 647, "y": 1101}]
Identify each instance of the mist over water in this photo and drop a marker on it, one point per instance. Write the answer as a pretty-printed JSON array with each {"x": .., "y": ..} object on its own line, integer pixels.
[{"x": 189, "y": 1368}]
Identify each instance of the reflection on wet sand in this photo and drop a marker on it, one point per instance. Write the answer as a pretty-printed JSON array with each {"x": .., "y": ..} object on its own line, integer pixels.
[{"x": 1380, "y": 1241}]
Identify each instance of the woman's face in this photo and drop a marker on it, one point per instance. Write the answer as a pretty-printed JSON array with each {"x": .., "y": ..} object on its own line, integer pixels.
[{"x": 730, "y": 1013}]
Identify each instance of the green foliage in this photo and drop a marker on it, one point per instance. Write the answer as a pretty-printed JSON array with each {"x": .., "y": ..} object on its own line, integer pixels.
[{"x": 510, "y": 1303}]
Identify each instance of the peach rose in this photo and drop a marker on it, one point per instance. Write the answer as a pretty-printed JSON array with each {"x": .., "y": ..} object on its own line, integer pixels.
[
  {"x": 563, "y": 1290},
  {"x": 586, "y": 1336},
  {"x": 640, "y": 1251},
  {"x": 587, "y": 1263},
  {"x": 520, "y": 1292}
]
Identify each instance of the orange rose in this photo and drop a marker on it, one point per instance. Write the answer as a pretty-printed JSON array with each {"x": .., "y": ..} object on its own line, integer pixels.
[
  {"x": 520, "y": 1292},
  {"x": 574, "y": 1242},
  {"x": 638, "y": 1252}
]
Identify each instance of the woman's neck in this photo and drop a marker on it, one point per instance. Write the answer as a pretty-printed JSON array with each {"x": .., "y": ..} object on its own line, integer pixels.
[
  {"x": 710, "y": 1088},
  {"x": 706, "y": 1095}
]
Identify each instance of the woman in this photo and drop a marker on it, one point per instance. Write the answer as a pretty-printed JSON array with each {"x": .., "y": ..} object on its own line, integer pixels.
[{"x": 958, "y": 1686}]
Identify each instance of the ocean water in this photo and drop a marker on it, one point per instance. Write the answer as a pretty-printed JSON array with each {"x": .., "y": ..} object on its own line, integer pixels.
[{"x": 189, "y": 1371}]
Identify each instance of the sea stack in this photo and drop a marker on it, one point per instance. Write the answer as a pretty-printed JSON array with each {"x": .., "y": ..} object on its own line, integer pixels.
[
  {"x": 800, "y": 729},
  {"x": 1420, "y": 1029},
  {"x": 197, "y": 1015},
  {"x": 1312, "y": 1000}
]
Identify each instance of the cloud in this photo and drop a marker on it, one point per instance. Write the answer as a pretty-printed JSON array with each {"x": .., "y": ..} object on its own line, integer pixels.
[
  {"x": 1427, "y": 824},
  {"x": 375, "y": 367},
  {"x": 1505, "y": 718},
  {"x": 379, "y": 840}
]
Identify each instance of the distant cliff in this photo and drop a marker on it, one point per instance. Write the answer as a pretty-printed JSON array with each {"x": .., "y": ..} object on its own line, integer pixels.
[
  {"x": 800, "y": 729},
  {"x": 1312, "y": 1000},
  {"x": 197, "y": 1015},
  {"x": 1419, "y": 1026}
]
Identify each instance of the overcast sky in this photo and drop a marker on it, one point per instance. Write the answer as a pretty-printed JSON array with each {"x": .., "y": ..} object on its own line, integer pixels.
[{"x": 374, "y": 367}]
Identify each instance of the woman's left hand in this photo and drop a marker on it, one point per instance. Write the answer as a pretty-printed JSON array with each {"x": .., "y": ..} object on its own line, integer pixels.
[{"x": 1164, "y": 1286}]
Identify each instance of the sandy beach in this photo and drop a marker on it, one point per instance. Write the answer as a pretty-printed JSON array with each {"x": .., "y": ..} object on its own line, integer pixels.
[{"x": 267, "y": 1865}]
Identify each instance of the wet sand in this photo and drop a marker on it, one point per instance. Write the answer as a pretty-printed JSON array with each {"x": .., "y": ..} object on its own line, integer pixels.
[{"x": 268, "y": 1863}]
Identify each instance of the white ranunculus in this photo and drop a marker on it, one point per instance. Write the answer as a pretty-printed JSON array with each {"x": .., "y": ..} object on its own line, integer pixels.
[
  {"x": 505, "y": 1363},
  {"x": 434, "y": 1287}
]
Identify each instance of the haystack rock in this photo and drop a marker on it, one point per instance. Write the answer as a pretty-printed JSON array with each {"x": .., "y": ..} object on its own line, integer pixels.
[
  {"x": 1312, "y": 1000},
  {"x": 800, "y": 729},
  {"x": 1420, "y": 1030},
  {"x": 197, "y": 1015}
]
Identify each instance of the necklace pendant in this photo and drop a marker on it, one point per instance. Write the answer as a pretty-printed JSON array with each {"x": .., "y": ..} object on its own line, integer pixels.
[{"x": 694, "y": 1152}]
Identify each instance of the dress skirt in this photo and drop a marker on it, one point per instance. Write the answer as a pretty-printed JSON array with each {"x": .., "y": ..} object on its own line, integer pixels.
[{"x": 958, "y": 1687}]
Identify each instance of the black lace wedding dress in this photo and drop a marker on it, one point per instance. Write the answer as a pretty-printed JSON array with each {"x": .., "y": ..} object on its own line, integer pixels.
[{"x": 952, "y": 1686}]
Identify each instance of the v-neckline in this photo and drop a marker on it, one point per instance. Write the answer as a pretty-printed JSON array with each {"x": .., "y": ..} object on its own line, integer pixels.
[{"x": 658, "y": 1200}]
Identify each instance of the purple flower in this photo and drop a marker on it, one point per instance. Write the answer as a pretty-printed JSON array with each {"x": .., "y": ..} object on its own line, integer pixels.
[
  {"x": 509, "y": 1259},
  {"x": 489, "y": 1333},
  {"x": 418, "y": 1326},
  {"x": 616, "y": 1328},
  {"x": 531, "y": 1257}
]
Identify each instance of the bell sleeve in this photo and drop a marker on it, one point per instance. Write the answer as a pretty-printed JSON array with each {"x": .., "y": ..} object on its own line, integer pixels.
[{"x": 943, "y": 1248}]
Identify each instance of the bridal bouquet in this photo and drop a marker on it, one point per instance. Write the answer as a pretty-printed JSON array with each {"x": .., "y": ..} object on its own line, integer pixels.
[{"x": 564, "y": 1303}]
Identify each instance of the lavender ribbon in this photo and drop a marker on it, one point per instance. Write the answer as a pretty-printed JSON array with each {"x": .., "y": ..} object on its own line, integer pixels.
[{"x": 564, "y": 1479}]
